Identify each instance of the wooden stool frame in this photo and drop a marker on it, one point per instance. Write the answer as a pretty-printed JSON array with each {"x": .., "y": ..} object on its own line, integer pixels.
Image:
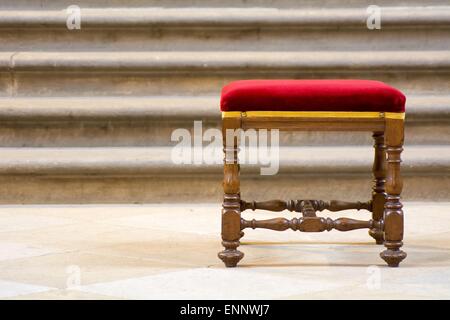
[{"x": 386, "y": 225}]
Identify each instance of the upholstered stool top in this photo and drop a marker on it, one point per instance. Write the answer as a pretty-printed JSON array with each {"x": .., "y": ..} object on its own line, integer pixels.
[{"x": 311, "y": 95}]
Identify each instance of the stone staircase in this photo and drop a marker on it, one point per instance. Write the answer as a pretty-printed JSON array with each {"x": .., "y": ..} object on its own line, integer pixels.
[{"x": 87, "y": 115}]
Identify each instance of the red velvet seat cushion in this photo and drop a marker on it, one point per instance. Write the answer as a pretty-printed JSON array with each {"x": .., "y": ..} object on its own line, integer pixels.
[{"x": 311, "y": 95}]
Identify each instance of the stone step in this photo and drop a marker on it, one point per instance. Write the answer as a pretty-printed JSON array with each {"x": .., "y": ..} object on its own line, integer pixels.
[
  {"x": 157, "y": 161},
  {"x": 226, "y": 62},
  {"x": 204, "y": 73},
  {"x": 157, "y": 17},
  {"x": 226, "y": 29},
  {"x": 89, "y": 175},
  {"x": 43, "y": 4},
  {"x": 150, "y": 108},
  {"x": 227, "y": 39},
  {"x": 420, "y": 108},
  {"x": 126, "y": 84},
  {"x": 150, "y": 121}
]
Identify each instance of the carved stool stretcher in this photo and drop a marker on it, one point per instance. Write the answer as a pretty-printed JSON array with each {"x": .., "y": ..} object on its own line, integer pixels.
[{"x": 317, "y": 105}]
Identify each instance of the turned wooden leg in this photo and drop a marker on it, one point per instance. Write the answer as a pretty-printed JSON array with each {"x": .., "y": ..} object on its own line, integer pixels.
[
  {"x": 231, "y": 211},
  {"x": 378, "y": 192},
  {"x": 393, "y": 214}
]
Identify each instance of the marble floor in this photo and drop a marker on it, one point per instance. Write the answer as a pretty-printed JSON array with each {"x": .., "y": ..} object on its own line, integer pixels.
[{"x": 170, "y": 252}]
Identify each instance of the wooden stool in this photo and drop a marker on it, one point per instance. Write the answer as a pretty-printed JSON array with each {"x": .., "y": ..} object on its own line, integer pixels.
[{"x": 322, "y": 105}]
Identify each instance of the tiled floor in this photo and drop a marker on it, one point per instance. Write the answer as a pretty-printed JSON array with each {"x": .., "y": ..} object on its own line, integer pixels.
[{"x": 170, "y": 252}]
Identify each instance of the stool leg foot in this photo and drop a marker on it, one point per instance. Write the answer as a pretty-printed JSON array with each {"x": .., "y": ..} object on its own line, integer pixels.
[
  {"x": 393, "y": 257},
  {"x": 379, "y": 181},
  {"x": 230, "y": 256},
  {"x": 393, "y": 213}
]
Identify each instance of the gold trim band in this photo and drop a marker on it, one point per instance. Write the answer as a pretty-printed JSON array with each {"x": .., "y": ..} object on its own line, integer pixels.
[{"x": 314, "y": 114}]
